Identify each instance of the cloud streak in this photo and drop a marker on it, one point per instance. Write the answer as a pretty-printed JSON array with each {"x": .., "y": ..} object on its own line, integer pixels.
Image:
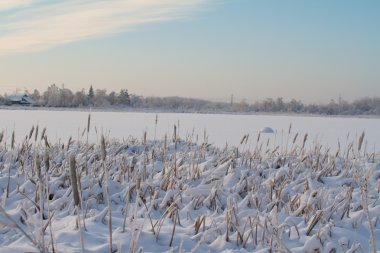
[
  {"x": 13, "y": 4},
  {"x": 32, "y": 26}
]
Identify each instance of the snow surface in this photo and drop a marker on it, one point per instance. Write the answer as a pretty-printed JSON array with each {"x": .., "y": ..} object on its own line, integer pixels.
[
  {"x": 255, "y": 196},
  {"x": 215, "y": 200},
  {"x": 220, "y": 128}
]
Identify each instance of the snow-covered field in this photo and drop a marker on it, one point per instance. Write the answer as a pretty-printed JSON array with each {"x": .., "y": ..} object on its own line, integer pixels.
[
  {"x": 220, "y": 128},
  {"x": 182, "y": 194}
]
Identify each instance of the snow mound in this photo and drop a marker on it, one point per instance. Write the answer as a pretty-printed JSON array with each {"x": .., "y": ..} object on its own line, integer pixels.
[{"x": 267, "y": 130}]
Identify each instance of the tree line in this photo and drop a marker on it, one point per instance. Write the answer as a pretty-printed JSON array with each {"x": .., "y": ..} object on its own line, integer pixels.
[{"x": 56, "y": 96}]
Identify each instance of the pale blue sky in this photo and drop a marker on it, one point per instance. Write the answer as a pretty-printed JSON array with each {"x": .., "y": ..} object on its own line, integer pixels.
[{"x": 303, "y": 49}]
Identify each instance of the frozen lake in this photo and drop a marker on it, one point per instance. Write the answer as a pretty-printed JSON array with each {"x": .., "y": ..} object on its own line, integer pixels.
[{"x": 220, "y": 128}]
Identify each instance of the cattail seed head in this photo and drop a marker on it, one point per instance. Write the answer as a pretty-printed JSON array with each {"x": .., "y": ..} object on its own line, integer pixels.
[
  {"x": 68, "y": 144},
  {"x": 74, "y": 181},
  {"x": 43, "y": 133},
  {"x": 46, "y": 142},
  {"x": 242, "y": 140},
  {"x": 46, "y": 160},
  {"x": 36, "y": 134},
  {"x": 38, "y": 166},
  {"x": 31, "y": 132},
  {"x": 138, "y": 180},
  {"x": 361, "y": 138},
  {"x": 13, "y": 140},
  {"x": 175, "y": 134},
  {"x": 103, "y": 148},
  {"x": 304, "y": 140},
  {"x": 295, "y": 138},
  {"x": 88, "y": 123}
]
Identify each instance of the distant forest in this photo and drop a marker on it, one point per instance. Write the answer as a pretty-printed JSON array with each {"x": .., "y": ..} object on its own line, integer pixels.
[{"x": 56, "y": 96}]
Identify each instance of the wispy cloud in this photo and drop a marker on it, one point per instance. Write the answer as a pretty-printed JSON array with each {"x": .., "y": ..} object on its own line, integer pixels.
[
  {"x": 12, "y": 4},
  {"x": 37, "y": 26}
]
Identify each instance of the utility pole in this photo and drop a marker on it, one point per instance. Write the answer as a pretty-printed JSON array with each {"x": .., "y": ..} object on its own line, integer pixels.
[{"x": 232, "y": 99}]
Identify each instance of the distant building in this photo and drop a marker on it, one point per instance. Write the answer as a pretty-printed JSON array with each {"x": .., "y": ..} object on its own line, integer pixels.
[{"x": 19, "y": 100}]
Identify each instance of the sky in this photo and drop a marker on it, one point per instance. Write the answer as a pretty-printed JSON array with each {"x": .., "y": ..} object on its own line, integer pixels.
[{"x": 312, "y": 51}]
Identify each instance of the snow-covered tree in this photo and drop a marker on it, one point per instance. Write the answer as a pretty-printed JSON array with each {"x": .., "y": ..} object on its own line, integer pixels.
[{"x": 123, "y": 97}]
